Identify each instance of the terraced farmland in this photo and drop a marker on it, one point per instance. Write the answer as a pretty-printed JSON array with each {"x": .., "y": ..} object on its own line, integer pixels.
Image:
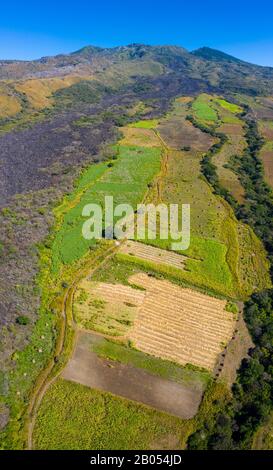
[{"x": 135, "y": 306}]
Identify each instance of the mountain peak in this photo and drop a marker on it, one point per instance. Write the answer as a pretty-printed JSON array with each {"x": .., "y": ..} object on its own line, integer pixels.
[{"x": 215, "y": 55}]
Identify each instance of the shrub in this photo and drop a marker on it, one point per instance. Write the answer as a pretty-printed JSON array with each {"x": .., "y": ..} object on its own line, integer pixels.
[{"x": 22, "y": 320}]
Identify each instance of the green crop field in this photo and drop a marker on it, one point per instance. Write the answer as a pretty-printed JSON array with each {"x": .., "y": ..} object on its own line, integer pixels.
[
  {"x": 203, "y": 109},
  {"x": 73, "y": 416},
  {"x": 147, "y": 124},
  {"x": 127, "y": 181},
  {"x": 233, "y": 108}
]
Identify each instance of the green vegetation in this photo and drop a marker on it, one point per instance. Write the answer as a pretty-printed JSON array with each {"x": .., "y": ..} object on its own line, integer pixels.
[
  {"x": 238, "y": 422},
  {"x": 127, "y": 181},
  {"x": 205, "y": 266},
  {"x": 147, "y": 124},
  {"x": 233, "y": 108},
  {"x": 232, "y": 307},
  {"x": 22, "y": 320},
  {"x": 251, "y": 405},
  {"x": 246, "y": 268},
  {"x": 203, "y": 110},
  {"x": 93, "y": 416},
  {"x": 99, "y": 420},
  {"x": 96, "y": 314}
]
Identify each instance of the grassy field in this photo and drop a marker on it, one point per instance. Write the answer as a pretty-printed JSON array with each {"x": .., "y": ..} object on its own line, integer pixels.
[
  {"x": 127, "y": 181},
  {"x": 73, "y": 416},
  {"x": 233, "y": 128},
  {"x": 213, "y": 265},
  {"x": 203, "y": 110},
  {"x": 231, "y": 107},
  {"x": 147, "y": 124}
]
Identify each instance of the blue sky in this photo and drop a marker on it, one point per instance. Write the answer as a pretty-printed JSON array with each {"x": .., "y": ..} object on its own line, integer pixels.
[{"x": 31, "y": 29}]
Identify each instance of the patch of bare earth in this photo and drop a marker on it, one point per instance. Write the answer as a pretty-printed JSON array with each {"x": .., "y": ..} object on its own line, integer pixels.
[{"x": 127, "y": 381}]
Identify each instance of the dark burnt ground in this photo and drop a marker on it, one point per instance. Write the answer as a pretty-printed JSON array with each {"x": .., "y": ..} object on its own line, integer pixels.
[{"x": 127, "y": 381}]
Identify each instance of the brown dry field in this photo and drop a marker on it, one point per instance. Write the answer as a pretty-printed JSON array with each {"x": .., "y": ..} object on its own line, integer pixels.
[
  {"x": 179, "y": 133},
  {"x": 150, "y": 253},
  {"x": 236, "y": 350},
  {"x": 232, "y": 129},
  {"x": 180, "y": 324},
  {"x": 127, "y": 381},
  {"x": 139, "y": 136},
  {"x": 39, "y": 91},
  {"x": 267, "y": 158},
  {"x": 9, "y": 105},
  {"x": 266, "y": 128}
]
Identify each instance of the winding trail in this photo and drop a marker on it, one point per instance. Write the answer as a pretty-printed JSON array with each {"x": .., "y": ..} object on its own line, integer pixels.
[
  {"x": 45, "y": 380},
  {"x": 48, "y": 376}
]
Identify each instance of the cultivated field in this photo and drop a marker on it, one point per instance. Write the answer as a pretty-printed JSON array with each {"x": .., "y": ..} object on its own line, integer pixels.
[
  {"x": 107, "y": 308},
  {"x": 180, "y": 324},
  {"x": 267, "y": 158},
  {"x": 153, "y": 254},
  {"x": 178, "y": 133},
  {"x": 162, "y": 319},
  {"x": 203, "y": 109},
  {"x": 233, "y": 128},
  {"x": 73, "y": 416},
  {"x": 139, "y": 136}
]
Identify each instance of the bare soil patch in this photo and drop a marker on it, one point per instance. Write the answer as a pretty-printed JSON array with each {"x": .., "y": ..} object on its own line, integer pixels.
[
  {"x": 232, "y": 129},
  {"x": 124, "y": 380}
]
